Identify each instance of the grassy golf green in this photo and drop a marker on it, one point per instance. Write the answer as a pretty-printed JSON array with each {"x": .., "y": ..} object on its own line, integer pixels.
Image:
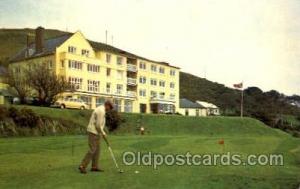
[{"x": 51, "y": 162}]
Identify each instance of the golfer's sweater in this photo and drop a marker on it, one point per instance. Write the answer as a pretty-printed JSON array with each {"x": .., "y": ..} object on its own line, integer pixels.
[{"x": 97, "y": 121}]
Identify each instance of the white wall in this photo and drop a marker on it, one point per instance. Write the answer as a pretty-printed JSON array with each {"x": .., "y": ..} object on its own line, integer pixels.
[{"x": 192, "y": 111}]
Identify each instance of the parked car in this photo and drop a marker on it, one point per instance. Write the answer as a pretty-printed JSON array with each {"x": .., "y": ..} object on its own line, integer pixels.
[
  {"x": 71, "y": 103},
  {"x": 34, "y": 101}
]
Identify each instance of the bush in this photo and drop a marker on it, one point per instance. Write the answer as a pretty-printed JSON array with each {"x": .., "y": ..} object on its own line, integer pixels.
[
  {"x": 3, "y": 113},
  {"x": 24, "y": 122},
  {"x": 298, "y": 118},
  {"x": 296, "y": 134},
  {"x": 84, "y": 114},
  {"x": 266, "y": 117},
  {"x": 113, "y": 120},
  {"x": 24, "y": 118}
]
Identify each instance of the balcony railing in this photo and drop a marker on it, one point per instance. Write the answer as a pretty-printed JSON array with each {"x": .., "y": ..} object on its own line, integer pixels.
[
  {"x": 131, "y": 67},
  {"x": 131, "y": 93},
  {"x": 162, "y": 98},
  {"x": 131, "y": 81}
]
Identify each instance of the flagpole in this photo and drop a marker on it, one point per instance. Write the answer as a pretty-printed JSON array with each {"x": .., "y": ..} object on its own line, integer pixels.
[{"x": 242, "y": 102}]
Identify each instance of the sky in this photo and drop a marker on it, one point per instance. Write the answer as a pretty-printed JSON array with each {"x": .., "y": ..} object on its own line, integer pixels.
[{"x": 252, "y": 41}]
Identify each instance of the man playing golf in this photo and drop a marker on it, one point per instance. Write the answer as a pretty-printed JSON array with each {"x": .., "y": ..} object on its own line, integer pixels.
[{"x": 95, "y": 129}]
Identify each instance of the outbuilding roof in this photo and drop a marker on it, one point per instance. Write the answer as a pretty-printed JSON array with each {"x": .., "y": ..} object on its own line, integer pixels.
[
  {"x": 206, "y": 104},
  {"x": 185, "y": 103}
]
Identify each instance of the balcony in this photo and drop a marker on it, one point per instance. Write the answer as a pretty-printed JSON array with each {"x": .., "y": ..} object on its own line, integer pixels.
[
  {"x": 162, "y": 99},
  {"x": 131, "y": 93},
  {"x": 131, "y": 81},
  {"x": 131, "y": 68}
]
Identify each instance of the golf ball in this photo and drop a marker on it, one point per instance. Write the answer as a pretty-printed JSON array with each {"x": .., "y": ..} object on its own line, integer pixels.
[{"x": 136, "y": 172}]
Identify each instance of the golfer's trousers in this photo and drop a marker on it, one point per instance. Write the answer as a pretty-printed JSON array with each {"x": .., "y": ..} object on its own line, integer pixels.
[{"x": 93, "y": 153}]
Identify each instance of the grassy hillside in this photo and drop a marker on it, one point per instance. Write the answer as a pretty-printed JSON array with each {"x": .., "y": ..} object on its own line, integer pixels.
[
  {"x": 172, "y": 124},
  {"x": 13, "y": 40},
  {"x": 196, "y": 88}
]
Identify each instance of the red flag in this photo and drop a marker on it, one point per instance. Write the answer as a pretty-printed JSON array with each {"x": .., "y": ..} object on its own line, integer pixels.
[{"x": 238, "y": 86}]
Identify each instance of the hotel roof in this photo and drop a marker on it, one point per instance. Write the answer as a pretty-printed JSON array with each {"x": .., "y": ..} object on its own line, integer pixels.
[{"x": 51, "y": 44}]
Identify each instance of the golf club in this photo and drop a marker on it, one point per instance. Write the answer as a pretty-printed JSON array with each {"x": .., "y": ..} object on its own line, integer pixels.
[{"x": 112, "y": 155}]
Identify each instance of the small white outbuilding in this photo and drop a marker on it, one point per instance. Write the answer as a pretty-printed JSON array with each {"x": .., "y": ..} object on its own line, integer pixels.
[
  {"x": 210, "y": 108},
  {"x": 189, "y": 108}
]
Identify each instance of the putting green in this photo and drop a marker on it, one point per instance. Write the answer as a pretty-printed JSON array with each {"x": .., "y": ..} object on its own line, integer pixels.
[{"x": 51, "y": 162}]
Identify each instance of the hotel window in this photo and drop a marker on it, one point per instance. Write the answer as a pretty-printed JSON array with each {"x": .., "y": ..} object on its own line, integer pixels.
[
  {"x": 108, "y": 87},
  {"x": 172, "y": 72},
  {"x": 72, "y": 49},
  {"x": 142, "y": 92},
  {"x": 50, "y": 64},
  {"x": 73, "y": 64},
  {"x": 153, "y": 94},
  {"x": 119, "y": 89},
  {"x": 142, "y": 65},
  {"x": 161, "y": 70},
  {"x": 161, "y": 95},
  {"x": 62, "y": 63},
  {"x": 117, "y": 105},
  {"x": 99, "y": 101},
  {"x": 143, "y": 79},
  {"x": 93, "y": 68},
  {"x": 153, "y": 68},
  {"x": 128, "y": 106},
  {"x": 108, "y": 72},
  {"x": 172, "y": 85},
  {"x": 153, "y": 82},
  {"x": 87, "y": 100},
  {"x": 76, "y": 82},
  {"x": 162, "y": 83},
  {"x": 119, "y": 60},
  {"x": 119, "y": 74},
  {"x": 108, "y": 57},
  {"x": 93, "y": 86},
  {"x": 172, "y": 96},
  {"x": 85, "y": 52}
]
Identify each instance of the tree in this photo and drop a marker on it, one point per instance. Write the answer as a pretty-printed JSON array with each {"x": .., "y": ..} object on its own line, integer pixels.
[
  {"x": 18, "y": 85},
  {"x": 46, "y": 83}
]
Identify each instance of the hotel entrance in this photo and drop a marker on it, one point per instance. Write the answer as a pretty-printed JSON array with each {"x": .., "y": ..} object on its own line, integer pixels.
[
  {"x": 158, "y": 108},
  {"x": 143, "y": 108}
]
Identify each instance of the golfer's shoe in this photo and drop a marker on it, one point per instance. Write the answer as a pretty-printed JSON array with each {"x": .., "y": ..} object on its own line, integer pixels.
[
  {"x": 82, "y": 170},
  {"x": 97, "y": 170}
]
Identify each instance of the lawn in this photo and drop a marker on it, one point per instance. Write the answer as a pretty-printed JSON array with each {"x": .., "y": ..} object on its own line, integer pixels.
[{"x": 52, "y": 161}]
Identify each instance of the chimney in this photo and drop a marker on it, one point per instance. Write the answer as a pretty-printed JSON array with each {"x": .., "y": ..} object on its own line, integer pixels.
[{"x": 39, "y": 39}]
